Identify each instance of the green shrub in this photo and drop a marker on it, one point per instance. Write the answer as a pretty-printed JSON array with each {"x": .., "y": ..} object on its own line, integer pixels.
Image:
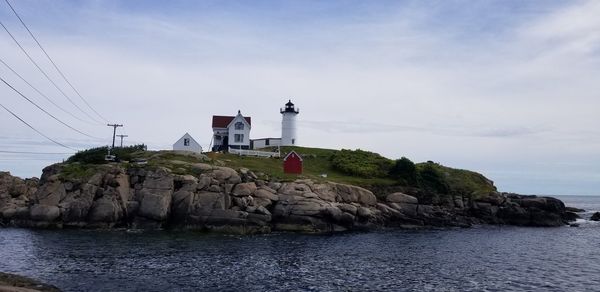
[
  {"x": 405, "y": 171},
  {"x": 432, "y": 180},
  {"x": 444, "y": 180},
  {"x": 361, "y": 163},
  {"x": 96, "y": 155}
]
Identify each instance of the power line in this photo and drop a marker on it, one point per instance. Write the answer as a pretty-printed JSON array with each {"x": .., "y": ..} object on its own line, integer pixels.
[
  {"x": 42, "y": 94},
  {"x": 46, "y": 112},
  {"x": 52, "y": 61},
  {"x": 30, "y": 152},
  {"x": 30, "y": 126},
  {"x": 45, "y": 74}
]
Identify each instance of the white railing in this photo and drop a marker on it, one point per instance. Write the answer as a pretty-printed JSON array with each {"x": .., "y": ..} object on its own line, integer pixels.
[{"x": 243, "y": 152}]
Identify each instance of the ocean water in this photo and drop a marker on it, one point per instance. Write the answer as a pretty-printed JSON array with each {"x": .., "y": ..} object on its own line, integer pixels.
[{"x": 486, "y": 258}]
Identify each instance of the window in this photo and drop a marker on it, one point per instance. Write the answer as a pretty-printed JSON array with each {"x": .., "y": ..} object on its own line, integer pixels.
[
  {"x": 267, "y": 142},
  {"x": 238, "y": 138},
  {"x": 186, "y": 142},
  {"x": 293, "y": 141},
  {"x": 239, "y": 126}
]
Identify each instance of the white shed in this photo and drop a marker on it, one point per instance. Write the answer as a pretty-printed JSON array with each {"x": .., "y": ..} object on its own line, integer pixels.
[{"x": 187, "y": 143}]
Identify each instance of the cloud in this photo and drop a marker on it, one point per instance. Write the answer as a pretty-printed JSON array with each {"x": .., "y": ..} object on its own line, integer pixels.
[{"x": 481, "y": 85}]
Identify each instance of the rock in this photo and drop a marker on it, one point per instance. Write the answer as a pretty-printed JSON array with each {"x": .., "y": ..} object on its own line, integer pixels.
[
  {"x": 160, "y": 179},
  {"x": 354, "y": 194},
  {"x": 8, "y": 212},
  {"x": 326, "y": 192},
  {"x": 595, "y": 216},
  {"x": 155, "y": 204},
  {"x": 226, "y": 175},
  {"x": 294, "y": 189},
  {"x": 44, "y": 213},
  {"x": 401, "y": 198},
  {"x": 351, "y": 209},
  {"x": 265, "y": 194},
  {"x": 106, "y": 209},
  {"x": 210, "y": 200},
  {"x": 244, "y": 189},
  {"x": 182, "y": 203},
  {"x": 203, "y": 182},
  {"x": 409, "y": 210},
  {"x": 51, "y": 192},
  {"x": 574, "y": 210},
  {"x": 262, "y": 210},
  {"x": 76, "y": 211},
  {"x": 364, "y": 212},
  {"x": 570, "y": 216}
]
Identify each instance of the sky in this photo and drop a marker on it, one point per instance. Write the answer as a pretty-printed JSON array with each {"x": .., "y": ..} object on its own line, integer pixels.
[{"x": 507, "y": 88}]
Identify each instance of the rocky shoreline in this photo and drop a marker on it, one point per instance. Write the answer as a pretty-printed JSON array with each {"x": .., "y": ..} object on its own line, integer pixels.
[
  {"x": 16, "y": 283},
  {"x": 221, "y": 199}
]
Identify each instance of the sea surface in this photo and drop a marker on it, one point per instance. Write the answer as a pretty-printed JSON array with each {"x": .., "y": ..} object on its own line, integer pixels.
[{"x": 486, "y": 258}]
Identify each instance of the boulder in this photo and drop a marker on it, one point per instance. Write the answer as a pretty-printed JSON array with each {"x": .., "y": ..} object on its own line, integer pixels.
[
  {"x": 51, "y": 192},
  {"x": 574, "y": 210},
  {"x": 155, "y": 204},
  {"x": 210, "y": 200},
  {"x": 160, "y": 179},
  {"x": 226, "y": 175},
  {"x": 401, "y": 198},
  {"x": 326, "y": 192},
  {"x": 265, "y": 194},
  {"x": 182, "y": 203},
  {"x": 106, "y": 209},
  {"x": 595, "y": 216},
  {"x": 364, "y": 212},
  {"x": 244, "y": 189},
  {"x": 354, "y": 194},
  {"x": 44, "y": 213},
  {"x": 348, "y": 208}
]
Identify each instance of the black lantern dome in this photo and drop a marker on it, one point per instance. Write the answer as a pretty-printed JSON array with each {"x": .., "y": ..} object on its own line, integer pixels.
[{"x": 289, "y": 108}]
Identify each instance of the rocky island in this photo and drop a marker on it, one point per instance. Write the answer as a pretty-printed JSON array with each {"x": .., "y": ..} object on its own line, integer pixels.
[{"x": 186, "y": 191}]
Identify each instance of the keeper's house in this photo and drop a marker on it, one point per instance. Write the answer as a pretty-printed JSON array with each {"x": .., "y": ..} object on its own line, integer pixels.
[{"x": 231, "y": 131}]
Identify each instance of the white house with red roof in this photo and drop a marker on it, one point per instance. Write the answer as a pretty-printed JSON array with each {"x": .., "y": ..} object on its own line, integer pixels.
[{"x": 231, "y": 132}]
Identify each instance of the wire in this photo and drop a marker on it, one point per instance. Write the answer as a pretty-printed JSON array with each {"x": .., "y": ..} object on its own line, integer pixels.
[
  {"x": 46, "y": 75},
  {"x": 52, "y": 61},
  {"x": 30, "y": 126},
  {"x": 46, "y": 112},
  {"x": 42, "y": 94},
  {"x": 28, "y": 152}
]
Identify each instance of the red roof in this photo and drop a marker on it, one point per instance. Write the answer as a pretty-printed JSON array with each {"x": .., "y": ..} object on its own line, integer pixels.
[{"x": 224, "y": 121}]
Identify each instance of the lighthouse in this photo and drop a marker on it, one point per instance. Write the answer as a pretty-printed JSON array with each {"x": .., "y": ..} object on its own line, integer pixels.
[{"x": 288, "y": 124}]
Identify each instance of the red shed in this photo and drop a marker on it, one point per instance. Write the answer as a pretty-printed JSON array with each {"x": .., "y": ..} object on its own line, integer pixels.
[{"x": 292, "y": 163}]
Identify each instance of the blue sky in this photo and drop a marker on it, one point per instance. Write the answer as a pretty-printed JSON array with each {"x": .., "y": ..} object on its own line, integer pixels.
[{"x": 506, "y": 88}]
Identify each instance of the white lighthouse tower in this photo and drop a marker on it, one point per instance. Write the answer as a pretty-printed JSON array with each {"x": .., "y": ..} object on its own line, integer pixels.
[{"x": 288, "y": 125}]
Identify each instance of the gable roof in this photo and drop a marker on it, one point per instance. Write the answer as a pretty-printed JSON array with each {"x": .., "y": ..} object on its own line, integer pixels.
[
  {"x": 224, "y": 121},
  {"x": 187, "y": 135},
  {"x": 297, "y": 155}
]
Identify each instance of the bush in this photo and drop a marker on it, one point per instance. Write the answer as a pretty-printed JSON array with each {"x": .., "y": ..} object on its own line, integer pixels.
[
  {"x": 432, "y": 180},
  {"x": 405, "y": 171},
  {"x": 361, "y": 163},
  {"x": 96, "y": 155}
]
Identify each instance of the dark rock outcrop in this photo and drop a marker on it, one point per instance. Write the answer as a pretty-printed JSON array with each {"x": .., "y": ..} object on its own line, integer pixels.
[{"x": 220, "y": 199}]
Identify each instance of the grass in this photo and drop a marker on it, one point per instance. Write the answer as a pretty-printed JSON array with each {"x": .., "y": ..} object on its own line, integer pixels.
[
  {"x": 78, "y": 171},
  {"x": 317, "y": 161},
  {"x": 431, "y": 177}
]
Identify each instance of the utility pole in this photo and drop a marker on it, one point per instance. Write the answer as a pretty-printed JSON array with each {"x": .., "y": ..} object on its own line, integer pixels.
[
  {"x": 122, "y": 136},
  {"x": 115, "y": 126}
]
